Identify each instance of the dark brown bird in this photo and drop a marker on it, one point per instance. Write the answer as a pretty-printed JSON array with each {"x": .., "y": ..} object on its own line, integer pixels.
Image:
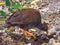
[{"x": 25, "y": 18}]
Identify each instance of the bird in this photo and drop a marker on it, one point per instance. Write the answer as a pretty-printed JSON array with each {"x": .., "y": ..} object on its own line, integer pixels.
[{"x": 24, "y": 18}]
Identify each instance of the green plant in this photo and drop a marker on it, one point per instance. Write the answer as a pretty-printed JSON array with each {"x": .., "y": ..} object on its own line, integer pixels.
[
  {"x": 7, "y": 2},
  {"x": 2, "y": 13},
  {"x": 13, "y": 6}
]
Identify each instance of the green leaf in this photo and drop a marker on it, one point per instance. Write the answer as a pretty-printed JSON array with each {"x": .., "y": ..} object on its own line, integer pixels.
[
  {"x": 26, "y": 0},
  {"x": 10, "y": 10},
  {"x": 17, "y": 6},
  {"x": 7, "y": 3},
  {"x": 2, "y": 13}
]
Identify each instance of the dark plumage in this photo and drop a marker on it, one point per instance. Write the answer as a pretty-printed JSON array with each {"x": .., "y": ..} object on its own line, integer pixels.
[{"x": 25, "y": 18}]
